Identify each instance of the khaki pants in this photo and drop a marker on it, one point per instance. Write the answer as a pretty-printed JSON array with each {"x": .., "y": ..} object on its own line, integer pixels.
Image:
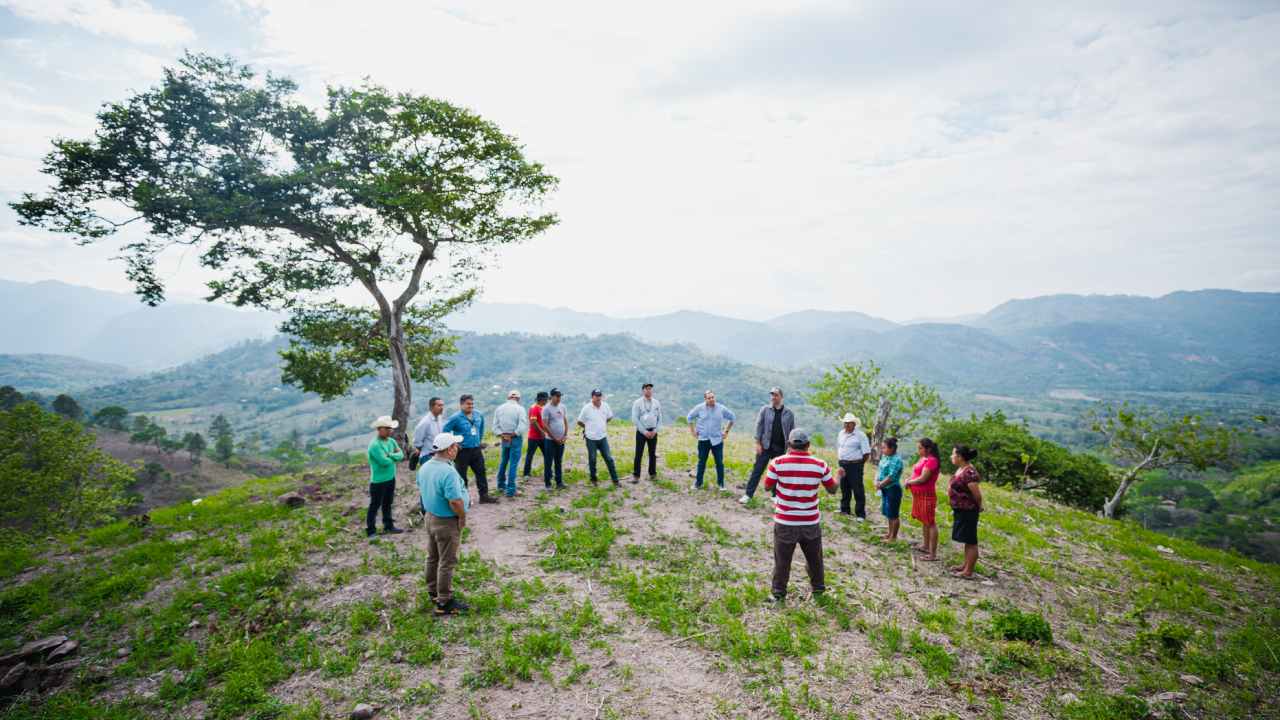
[{"x": 442, "y": 555}]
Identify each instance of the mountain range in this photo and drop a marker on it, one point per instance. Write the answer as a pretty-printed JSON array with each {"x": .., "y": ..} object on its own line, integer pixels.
[{"x": 1205, "y": 341}]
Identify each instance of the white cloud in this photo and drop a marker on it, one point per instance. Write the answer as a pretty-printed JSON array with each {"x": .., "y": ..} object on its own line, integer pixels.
[{"x": 133, "y": 20}]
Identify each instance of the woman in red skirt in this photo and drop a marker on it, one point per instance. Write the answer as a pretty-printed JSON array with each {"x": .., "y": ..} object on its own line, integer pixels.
[{"x": 924, "y": 496}]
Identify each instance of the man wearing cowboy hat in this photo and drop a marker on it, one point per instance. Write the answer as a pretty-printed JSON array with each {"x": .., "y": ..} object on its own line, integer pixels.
[
  {"x": 510, "y": 422},
  {"x": 853, "y": 450},
  {"x": 384, "y": 453},
  {"x": 445, "y": 502}
]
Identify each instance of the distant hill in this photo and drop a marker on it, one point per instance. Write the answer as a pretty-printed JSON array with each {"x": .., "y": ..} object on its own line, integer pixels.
[
  {"x": 56, "y": 318},
  {"x": 52, "y": 374},
  {"x": 243, "y": 383}
]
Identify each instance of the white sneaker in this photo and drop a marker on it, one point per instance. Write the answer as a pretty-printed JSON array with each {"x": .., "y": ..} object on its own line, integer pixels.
[
  {"x": 744, "y": 499},
  {"x": 694, "y": 486},
  {"x": 860, "y": 519}
]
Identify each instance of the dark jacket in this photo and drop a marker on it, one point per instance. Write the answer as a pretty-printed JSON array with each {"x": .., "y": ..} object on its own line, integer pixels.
[{"x": 764, "y": 424}]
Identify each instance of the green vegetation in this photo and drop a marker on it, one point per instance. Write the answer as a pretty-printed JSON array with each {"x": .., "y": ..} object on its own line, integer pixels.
[{"x": 859, "y": 388}]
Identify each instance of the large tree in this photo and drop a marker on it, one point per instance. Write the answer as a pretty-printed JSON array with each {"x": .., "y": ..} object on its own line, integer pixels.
[
  {"x": 289, "y": 204},
  {"x": 1147, "y": 440},
  {"x": 886, "y": 406}
]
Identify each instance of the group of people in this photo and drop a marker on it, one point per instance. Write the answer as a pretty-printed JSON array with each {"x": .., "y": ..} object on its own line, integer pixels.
[{"x": 444, "y": 451}]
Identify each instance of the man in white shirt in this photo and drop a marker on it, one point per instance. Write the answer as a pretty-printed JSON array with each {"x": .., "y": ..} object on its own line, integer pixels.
[
  {"x": 425, "y": 431},
  {"x": 646, "y": 415},
  {"x": 510, "y": 422},
  {"x": 594, "y": 421},
  {"x": 853, "y": 450}
]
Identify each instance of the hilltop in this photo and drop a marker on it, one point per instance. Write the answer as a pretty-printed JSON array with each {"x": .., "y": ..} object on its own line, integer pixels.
[{"x": 644, "y": 601}]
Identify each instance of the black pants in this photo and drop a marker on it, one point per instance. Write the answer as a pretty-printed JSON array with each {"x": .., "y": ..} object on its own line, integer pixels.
[
  {"x": 472, "y": 458},
  {"x": 852, "y": 483},
  {"x": 552, "y": 456},
  {"x": 641, "y": 443},
  {"x": 528, "y": 454},
  {"x": 380, "y": 496},
  {"x": 762, "y": 464},
  {"x": 785, "y": 539}
]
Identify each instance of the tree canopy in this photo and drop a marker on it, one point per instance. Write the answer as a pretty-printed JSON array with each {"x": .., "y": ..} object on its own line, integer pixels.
[
  {"x": 287, "y": 204},
  {"x": 859, "y": 387}
]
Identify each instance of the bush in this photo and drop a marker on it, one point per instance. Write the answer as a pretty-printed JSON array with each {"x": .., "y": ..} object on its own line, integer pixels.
[
  {"x": 1010, "y": 455},
  {"x": 1028, "y": 627},
  {"x": 1169, "y": 639}
]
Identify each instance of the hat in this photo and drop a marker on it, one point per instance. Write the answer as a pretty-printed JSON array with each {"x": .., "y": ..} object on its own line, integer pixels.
[
  {"x": 850, "y": 417},
  {"x": 385, "y": 421},
  {"x": 555, "y": 392},
  {"x": 646, "y": 385},
  {"x": 596, "y": 393},
  {"x": 513, "y": 394},
  {"x": 444, "y": 441},
  {"x": 775, "y": 389},
  {"x": 798, "y": 437}
]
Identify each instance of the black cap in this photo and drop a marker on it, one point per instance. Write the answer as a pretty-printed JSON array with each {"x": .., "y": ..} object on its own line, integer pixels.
[
  {"x": 596, "y": 392},
  {"x": 646, "y": 385},
  {"x": 542, "y": 395},
  {"x": 555, "y": 392}
]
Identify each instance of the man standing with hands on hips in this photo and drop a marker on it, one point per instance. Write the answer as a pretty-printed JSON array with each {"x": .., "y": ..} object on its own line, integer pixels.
[
  {"x": 646, "y": 415},
  {"x": 710, "y": 423},
  {"x": 774, "y": 424},
  {"x": 853, "y": 450}
]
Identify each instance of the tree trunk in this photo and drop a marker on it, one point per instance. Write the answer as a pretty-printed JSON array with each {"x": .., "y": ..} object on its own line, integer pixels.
[
  {"x": 1109, "y": 507},
  {"x": 882, "y": 423},
  {"x": 399, "y": 378}
]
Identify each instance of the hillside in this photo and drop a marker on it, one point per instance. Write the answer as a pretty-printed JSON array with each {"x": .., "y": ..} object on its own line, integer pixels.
[
  {"x": 53, "y": 374},
  {"x": 645, "y": 601},
  {"x": 243, "y": 383}
]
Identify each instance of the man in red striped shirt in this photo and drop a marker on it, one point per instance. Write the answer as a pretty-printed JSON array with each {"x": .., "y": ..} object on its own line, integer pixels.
[{"x": 795, "y": 478}]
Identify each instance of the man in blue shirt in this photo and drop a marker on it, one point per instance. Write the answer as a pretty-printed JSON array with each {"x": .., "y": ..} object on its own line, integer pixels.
[
  {"x": 468, "y": 425},
  {"x": 446, "y": 501},
  {"x": 710, "y": 424}
]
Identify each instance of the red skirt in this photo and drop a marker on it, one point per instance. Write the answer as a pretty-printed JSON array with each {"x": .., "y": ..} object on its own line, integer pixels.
[{"x": 924, "y": 506}]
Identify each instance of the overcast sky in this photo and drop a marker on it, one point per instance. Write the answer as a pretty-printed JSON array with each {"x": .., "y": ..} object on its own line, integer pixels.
[{"x": 753, "y": 158}]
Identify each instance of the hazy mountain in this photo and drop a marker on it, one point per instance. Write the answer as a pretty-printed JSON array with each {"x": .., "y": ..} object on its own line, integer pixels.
[
  {"x": 53, "y": 374},
  {"x": 56, "y": 318}
]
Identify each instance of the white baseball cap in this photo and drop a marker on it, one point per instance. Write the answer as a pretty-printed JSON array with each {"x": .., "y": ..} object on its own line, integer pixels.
[
  {"x": 513, "y": 394},
  {"x": 444, "y": 441}
]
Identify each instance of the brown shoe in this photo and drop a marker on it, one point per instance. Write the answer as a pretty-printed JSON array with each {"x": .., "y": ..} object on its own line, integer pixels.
[{"x": 488, "y": 500}]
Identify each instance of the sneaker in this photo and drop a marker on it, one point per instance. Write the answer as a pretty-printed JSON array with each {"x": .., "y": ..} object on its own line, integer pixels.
[
  {"x": 695, "y": 486},
  {"x": 635, "y": 479},
  {"x": 488, "y": 500},
  {"x": 615, "y": 482},
  {"x": 778, "y": 600},
  {"x": 744, "y": 499},
  {"x": 393, "y": 531},
  {"x": 723, "y": 489},
  {"x": 371, "y": 533},
  {"x": 559, "y": 486},
  {"x": 860, "y": 519},
  {"x": 453, "y": 607}
]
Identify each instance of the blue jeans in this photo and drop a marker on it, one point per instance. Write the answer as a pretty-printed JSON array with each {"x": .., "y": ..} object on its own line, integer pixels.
[
  {"x": 717, "y": 451},
  {"x": 601, "y": 446},
  {"x": 508, "y": 465}
]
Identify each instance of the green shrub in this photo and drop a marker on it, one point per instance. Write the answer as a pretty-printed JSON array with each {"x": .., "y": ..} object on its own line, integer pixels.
[
  {"x": 1169, "y": 638},
  {"x": 1028, "y": 627},
  {"x": 1101, "y": 706}
]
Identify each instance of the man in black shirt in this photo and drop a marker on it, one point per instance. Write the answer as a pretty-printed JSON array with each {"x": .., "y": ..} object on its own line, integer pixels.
[{"x": 773, "y": 425}]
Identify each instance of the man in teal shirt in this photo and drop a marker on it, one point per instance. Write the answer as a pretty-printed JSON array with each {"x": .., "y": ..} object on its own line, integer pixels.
[
  {"x": 384, "y": 453},
  {"x": 446, "y": 502}
]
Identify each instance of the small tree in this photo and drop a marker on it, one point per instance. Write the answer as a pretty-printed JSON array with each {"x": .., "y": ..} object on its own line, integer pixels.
[
  {"x": 195, "y": 445},
  {"x": 111, "y": 417},
  {"x": 223, "y": 440},
  {"x": 860, "y": 387},
  {"x": 52, "y": 476},
  {"x": 146, "y": 432},
  {"x": 67, "y": 407},
  {"x": 10, "y": 398},
  {"x": 1143, "y": 440},
  {"x": 286, "y": 204}
]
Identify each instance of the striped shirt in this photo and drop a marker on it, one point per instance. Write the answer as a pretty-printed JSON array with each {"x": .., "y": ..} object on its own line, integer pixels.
[{"x": 797, "y": 476}]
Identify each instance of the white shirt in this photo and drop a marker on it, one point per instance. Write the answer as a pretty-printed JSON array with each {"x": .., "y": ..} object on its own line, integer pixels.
[
  {"x": 510, "y": 418},
  {"x": 595, "y": 419},
  {"x": 853, "y": 445},
  {"x": 426, "y": 430}
]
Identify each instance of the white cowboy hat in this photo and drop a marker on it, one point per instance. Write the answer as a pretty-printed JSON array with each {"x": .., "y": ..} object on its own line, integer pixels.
[
  {"x": 850, "y": 417},
  {"x": 385, "y": 421},
  {"x": 444, "y": 441},
  {"x": 513, "y": 394}
]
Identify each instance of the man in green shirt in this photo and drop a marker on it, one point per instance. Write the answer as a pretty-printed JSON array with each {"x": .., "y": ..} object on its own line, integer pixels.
[{"x": 384, "y": 453}]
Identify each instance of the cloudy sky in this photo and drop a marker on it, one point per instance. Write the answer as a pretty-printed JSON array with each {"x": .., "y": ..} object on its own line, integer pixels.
[{"x": 752, "y": 158}]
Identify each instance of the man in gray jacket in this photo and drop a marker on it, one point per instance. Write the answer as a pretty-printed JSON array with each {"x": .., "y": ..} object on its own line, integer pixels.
[
  {"x": 646, "y": 415},
  {"x": 773, "y": 426}
]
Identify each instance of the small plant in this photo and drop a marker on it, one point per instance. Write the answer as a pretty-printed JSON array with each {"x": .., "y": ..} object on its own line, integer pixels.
[
  {"x": 1029, "y": 627},
  {"x": 1095, "y": 705},
  {"x": 1169, "y": 638}
]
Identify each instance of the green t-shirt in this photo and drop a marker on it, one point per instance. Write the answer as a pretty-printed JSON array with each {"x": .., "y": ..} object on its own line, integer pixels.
[{"x": 383, "y": 456}]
